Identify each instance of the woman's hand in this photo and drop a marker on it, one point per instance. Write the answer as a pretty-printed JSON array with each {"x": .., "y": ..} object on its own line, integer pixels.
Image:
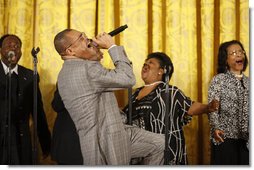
[
  {"x": 213, "y": 106},
  {"x": 218, "y": 135}
]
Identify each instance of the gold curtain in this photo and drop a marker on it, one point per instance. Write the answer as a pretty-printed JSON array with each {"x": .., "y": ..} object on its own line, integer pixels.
[{"x": 189, "y": 31}]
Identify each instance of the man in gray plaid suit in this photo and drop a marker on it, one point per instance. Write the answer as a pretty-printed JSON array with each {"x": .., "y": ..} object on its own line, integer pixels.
[{"x": 86, "y": 88}]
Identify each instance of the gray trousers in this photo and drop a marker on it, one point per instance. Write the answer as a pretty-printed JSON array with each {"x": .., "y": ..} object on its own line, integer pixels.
[
  {"x": 146, "y": 144},
  {"x": 135, "y": 143}
]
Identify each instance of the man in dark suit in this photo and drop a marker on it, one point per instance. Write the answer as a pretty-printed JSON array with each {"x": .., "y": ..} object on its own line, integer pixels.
[
  {"x": 65, "y": 148},
  {"x": 21, "y": 107}
]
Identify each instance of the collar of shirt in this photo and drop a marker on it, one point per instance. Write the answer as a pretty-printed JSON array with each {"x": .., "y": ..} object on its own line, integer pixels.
[{"x": 15, "y": 69}]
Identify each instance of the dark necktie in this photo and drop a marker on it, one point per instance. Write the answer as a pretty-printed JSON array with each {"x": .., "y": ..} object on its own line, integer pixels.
[{"x": 14, "y": 83}]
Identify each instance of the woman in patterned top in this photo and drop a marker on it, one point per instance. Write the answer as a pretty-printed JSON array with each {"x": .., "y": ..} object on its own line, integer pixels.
[
  {"x": 148, "y": 103},
  {"x": 230, "y": 124}
]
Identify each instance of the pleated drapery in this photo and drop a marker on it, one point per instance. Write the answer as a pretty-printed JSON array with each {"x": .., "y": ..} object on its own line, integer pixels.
[{"x": 189, "y": 31}]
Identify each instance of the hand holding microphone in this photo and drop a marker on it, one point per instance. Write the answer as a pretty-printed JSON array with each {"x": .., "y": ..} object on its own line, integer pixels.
[{"x": 105, "y": 40}]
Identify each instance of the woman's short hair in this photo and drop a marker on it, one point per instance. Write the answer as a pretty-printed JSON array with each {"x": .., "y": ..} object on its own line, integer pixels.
[
  {"x": 165, "y": 63},
  {"x": 223, "y": 55}
]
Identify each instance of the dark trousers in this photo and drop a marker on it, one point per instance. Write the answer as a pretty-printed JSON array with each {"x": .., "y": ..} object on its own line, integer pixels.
[{"x": 230, "y": 152}]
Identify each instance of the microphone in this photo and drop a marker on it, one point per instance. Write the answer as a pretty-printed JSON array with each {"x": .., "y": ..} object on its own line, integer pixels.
[
  {"x": 10, "y": 55},
  {"x": 114, "y": 32},
  {"x": 118, "y": 30}
]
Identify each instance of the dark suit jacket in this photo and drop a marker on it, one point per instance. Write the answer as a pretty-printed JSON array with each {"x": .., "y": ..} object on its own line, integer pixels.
[
  {"x": 65, "y": 147},
  {"x": 21, "y": 147}
]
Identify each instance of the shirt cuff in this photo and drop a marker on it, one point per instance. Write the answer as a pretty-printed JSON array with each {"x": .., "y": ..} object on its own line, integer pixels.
[{"x": 111, "y": 46}]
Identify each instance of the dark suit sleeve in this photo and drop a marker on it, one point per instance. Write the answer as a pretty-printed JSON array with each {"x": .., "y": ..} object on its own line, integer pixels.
[
  {"x": 57, "y": 103},
  {"x": 42, "y": 125},
  {"x": 65, "y": 148}
]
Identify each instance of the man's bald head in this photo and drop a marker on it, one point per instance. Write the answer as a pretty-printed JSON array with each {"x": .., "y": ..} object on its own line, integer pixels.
[{"x": 61, "y": 40}]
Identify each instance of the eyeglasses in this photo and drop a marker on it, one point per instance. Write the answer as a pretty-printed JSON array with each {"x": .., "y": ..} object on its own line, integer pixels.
[
  {"x": 82, "y": 34},
  {"x": 235, "y": 53}
]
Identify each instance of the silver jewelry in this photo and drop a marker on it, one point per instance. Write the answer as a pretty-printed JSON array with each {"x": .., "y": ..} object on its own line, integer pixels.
[
  {"x": 238, "y": 75},
  {"x": 157, "y": 82}
]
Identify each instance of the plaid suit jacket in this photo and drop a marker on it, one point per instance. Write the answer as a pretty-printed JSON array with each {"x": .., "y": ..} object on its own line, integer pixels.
[{"x": 86, "y": 88}]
